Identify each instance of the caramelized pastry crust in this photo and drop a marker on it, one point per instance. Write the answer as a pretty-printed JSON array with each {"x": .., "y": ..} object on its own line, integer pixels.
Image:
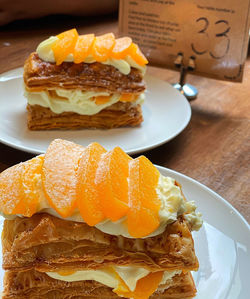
[
  {"x": 47, "y": 243},
  {"x": 117, "y": 115},
  {"x": 34, "y": 284},
  {"x": 39, "y": 74}
]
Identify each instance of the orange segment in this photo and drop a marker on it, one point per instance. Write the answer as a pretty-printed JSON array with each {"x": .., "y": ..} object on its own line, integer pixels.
[
  {"x": 145, "y": 286},
  {"x": 19, "y": 192},
  {"x": 83, "y": 47},
  {"x": 112, "y": 184},
  {"x": 31, "y": 176},
  {"x": 10, "y": 188},
  {"x": 128, "y": 97},
  {"x": 101, "y": 99},
  {"x": 102, "y": 46},
  {"x": 141, "y": 222},
  {"x": 121, "y": 47},
  {"x": 64, "y": 45},
  {"x": 149, "y": 177},
  {"x": 88, "y": 201},
  {"x": 142, "y": 218},
  {"x": 137, "y": 55},
  {"x": 66, "y": 272},
  {"x": 59, "y": 175}
]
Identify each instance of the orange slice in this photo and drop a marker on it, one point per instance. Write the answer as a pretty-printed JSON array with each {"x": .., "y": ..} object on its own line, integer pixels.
[
  {"x": 145, "y": 286},
  {"x": 142, "y": 218},
  {"x": 101, "y": 99},
  {"x": 128, "y": 97},
  {"x": 88, "y": 201},
  {"x": 141, "y": 222},
  {"x": 30, "y": 187},
  {"x": 59, "y": 175},
  {"x": 10, "y": 189},
  {"x": 83, "y": 47},
  {"x": 149, "y": 177},
  {"x": 112, "y": 183},
  {"x": 121, "y": 47},
  {"x": 64, "y": 45},
  {"x": 102, "y": 46},
  {"x": 19, "y": 190},
  {"x": 137, "y": 55}
]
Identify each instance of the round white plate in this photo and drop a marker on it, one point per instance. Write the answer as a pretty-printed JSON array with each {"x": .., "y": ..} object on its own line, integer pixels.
[
  {"x": 222, "y": 245},
  {"x": 166, "y": 113}
]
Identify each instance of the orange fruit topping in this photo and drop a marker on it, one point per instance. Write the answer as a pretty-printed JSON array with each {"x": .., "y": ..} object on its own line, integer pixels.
[
  {"x": 102, "y": 46},
  {"x": 30, "y": 187},
  {"x": 137, "y": 55},
  {"x": 149, "y": 177},
  {"x": 10, "y": 188},
  {"x": 112, "y": 184},
  {"x": 83, "y": 47},
  {"x": 121, "y": 47},
  {"x": 101, "y": 99},
  {"x": 128, "y": 97},
  {"x": 66, "y": 272},
  {"x": 64, "y": 45},
  {"x": 18, "y": 188},
  {"x": 141, "y": 222},
  {"x": 102, "y": 185},
  {"x": 145, "y": 286},
  {"x": 144, "y": 205},
  {"x": 88, "y": 201},
  {"x": 59, "y": 175}
]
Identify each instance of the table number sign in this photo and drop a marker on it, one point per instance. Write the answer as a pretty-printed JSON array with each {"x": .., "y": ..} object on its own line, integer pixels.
[{"x": 213, "y": 33}]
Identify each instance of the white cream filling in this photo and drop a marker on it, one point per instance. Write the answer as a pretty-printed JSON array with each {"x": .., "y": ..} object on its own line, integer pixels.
[
  {"x": 45, "y": 52},
  {"x": 129, "y": 274},
  {"x": 77, "y": 101}
]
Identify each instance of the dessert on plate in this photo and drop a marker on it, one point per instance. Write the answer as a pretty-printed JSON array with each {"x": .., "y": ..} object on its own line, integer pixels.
[
  {"x": 84, "y": 81},
  {"x": 90, "y": 223}
]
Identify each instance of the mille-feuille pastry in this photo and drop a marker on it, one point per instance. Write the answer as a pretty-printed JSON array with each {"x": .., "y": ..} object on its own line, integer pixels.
[
  {"x": 90, "y": 223},
  {"x": 84, "y": 81}
]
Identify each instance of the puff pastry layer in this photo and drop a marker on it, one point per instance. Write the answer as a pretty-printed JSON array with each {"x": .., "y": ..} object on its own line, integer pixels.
[
  {"x": 46, "y": 243},
  {"x": 34, "y": 284},
  {"x": 117, "y": 115},
  {"x": 40, "y": 75}
]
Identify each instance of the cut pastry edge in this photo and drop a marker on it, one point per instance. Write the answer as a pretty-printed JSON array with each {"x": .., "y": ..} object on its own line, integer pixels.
[
  {"x": 19, "y": 247},
  {"x": 41, "y": 118},
  {"x": 181, "y": 286},
  {"x": 98, "y": 77}
]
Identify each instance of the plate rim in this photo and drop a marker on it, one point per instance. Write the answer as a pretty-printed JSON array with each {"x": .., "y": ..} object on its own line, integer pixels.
[{"x": 134, "y": 150}]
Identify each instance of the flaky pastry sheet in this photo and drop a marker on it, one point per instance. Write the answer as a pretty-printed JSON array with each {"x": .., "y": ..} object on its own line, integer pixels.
[
  {"x": 117, "y": 115},
  {"x": 47, "y": 243},
  {"x": 34, "y": 284},
  {"x": 85, "y": 76}
]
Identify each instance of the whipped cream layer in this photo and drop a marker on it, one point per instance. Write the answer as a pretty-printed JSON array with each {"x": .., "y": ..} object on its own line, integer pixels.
[
  {"x": 129, "y": 274},
  {"x": 78, "y": 101},
  {"x": 173, "y": 204},
  {"x": 44, "y": 51}
]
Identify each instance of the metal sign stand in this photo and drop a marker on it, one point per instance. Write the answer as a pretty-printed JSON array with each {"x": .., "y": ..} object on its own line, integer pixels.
[{"x": 188, "y": 90}]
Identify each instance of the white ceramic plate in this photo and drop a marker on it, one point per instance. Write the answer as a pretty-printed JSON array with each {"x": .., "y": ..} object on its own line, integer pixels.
[
  {"x": 166, "y": 113},
  {"x": 222, "y": 245}
]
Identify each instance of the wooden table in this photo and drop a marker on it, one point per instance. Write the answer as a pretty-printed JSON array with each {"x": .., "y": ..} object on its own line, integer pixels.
[{"x": 213, "y": 149}]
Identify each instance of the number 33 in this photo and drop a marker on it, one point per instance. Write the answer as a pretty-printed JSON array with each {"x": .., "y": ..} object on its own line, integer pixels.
[{"x": 217, "y": 35}]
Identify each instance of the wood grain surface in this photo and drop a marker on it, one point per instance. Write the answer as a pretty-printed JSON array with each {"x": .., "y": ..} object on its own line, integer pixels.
[{"x": 213, "y": 149}]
